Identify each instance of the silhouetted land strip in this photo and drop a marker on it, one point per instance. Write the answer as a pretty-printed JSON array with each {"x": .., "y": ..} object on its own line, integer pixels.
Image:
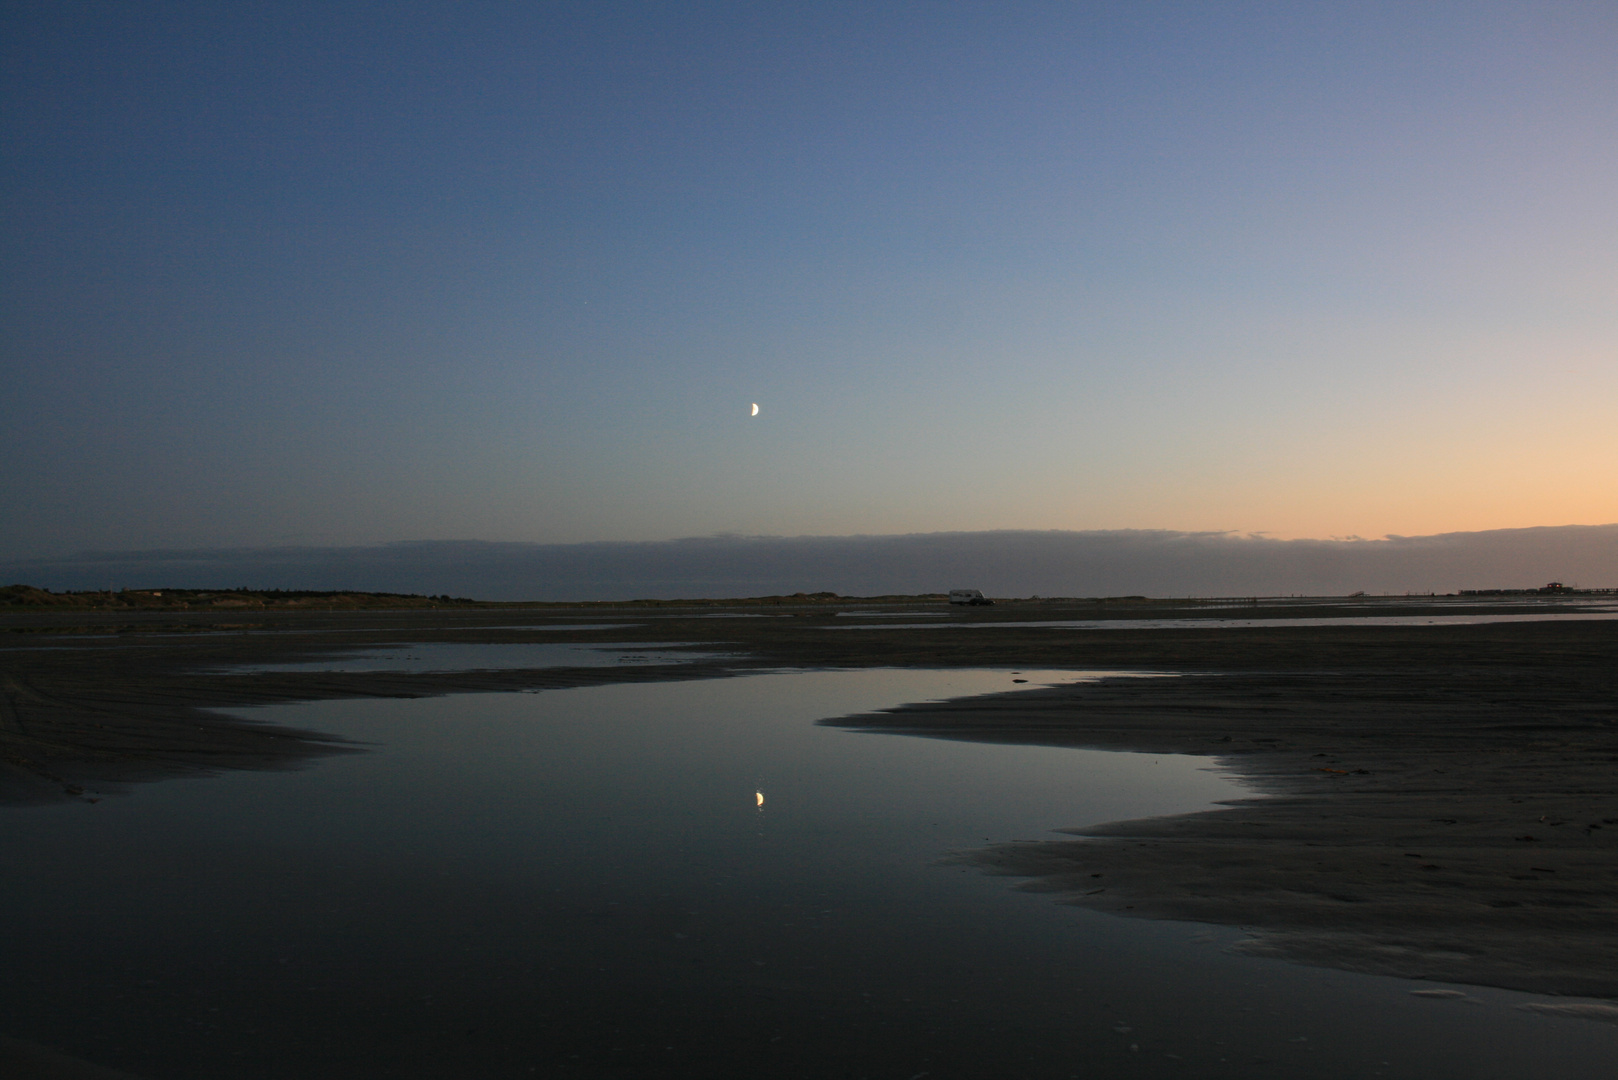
[
  {"x": 1439, "y": 799},
  {"x": 28, "y": 597}
]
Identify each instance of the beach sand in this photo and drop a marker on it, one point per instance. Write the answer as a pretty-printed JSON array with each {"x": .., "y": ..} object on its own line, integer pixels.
[{"x": 1451, "y": 814}]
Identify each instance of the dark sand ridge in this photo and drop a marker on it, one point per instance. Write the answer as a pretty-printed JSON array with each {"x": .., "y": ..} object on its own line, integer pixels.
[
  {"x": 1403, "y": 764},
  {"x": 1440, "y": 803}
]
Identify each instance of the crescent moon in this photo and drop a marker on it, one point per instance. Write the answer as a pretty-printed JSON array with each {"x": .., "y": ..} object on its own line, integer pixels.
[{"x": 755, "y": 408}]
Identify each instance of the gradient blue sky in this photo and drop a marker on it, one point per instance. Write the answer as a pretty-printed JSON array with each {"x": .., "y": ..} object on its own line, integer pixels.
[{"x": 343, "y": 272}]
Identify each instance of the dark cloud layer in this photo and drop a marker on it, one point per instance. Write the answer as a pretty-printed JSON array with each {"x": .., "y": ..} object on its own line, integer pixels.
[{"x": 1009, "y": 563}]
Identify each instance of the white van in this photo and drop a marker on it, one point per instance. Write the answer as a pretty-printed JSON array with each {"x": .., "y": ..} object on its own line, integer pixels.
[{"x": 968, "y": 596}]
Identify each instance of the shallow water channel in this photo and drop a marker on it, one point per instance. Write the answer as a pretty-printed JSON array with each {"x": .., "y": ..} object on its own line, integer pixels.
[
  {"x": 671, "y": 879},
  {"x": 453, "y": 656}
]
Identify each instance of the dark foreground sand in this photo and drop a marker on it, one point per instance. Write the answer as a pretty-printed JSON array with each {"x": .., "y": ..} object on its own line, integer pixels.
[
  {"x": 23, "y": 1060},
  {"x": 1446, "y": 811},
  {"x": 1438, "y": 801}
]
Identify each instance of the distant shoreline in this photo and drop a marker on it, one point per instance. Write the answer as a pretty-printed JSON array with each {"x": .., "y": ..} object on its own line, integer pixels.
[{"x": 29, "y": 598}]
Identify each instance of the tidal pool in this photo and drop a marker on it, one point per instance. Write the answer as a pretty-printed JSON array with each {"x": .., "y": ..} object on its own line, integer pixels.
[
  {"x": 671, "y": 879},
  {"x": 1220, "y": 623},
  {"x": 456, "y": 656}
]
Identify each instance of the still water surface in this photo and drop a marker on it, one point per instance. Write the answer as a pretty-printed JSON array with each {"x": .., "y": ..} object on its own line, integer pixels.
[
  {"x": 456, "y": 656},
  {"x": 1216, "y": 623},
  {"x": 587, "y": 883}
]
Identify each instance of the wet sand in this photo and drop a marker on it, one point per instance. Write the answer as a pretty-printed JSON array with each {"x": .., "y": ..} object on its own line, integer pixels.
[
  {"x": 1437, "y": 801},
  {"x": 1438, "y": 804},
  {"x": 23, "y": 1060}
]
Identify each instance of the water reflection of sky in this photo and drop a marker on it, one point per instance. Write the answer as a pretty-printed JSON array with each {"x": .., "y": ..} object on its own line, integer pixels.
[
  {"x": 456, "y": 656},
  {"x": 1216, "y": 623},
  {"x": 683, "y": 879}
]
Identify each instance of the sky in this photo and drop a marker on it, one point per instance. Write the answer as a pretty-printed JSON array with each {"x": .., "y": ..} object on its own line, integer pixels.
[{"x": 354, "y": 273}]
